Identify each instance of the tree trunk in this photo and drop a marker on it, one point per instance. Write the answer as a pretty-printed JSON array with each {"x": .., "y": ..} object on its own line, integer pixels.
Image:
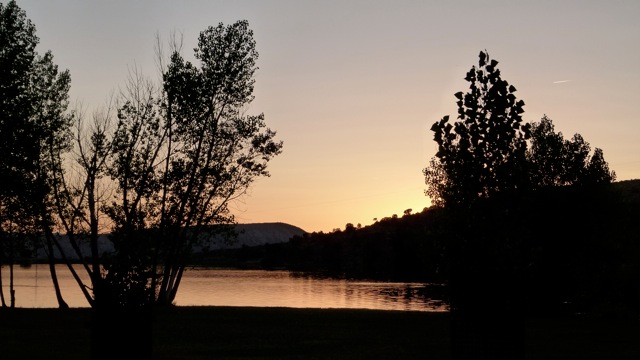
[
  {"x": 4, "y": 304},
  {"x": 12, "y": 291},
  {"x": 54, "y": 276}
]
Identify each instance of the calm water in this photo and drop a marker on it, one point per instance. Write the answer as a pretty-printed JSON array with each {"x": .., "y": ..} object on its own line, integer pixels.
[{"x": 223, "y": 287}]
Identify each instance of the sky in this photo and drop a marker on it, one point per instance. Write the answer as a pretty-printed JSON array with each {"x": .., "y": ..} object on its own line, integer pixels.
[{"x": 352, "y": 87}]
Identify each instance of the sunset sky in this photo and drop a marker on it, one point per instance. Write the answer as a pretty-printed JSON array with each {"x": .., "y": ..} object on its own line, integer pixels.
[{"x": 352, "y": 87}]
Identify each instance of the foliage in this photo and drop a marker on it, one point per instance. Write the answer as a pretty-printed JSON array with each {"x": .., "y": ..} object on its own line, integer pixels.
[
  {"x": 174, "y": 159},
  {"x": 483, "y": 152},
  {"x": 555, "y": 161},
  {"x": 486, "y": 151},
  {"x": 34, "y": 128},
  {"x": 161, "y": 173},
  {"x": 482, "y": 175}
]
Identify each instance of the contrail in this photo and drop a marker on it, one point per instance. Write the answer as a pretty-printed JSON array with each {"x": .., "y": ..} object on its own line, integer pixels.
[{"x": 561, "y": 81}]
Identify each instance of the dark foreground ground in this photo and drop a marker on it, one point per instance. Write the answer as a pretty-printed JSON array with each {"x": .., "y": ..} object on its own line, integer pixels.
[{"x": 278, "y": 333}]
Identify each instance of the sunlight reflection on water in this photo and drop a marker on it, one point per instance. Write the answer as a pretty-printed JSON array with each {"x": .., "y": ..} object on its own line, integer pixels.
[{"x": 225, "y": 287}]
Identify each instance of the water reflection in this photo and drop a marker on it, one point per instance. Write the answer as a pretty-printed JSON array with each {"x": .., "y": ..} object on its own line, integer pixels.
[
  {"x": 225, "y": 287},
  {"x": 287, "y": 289}
]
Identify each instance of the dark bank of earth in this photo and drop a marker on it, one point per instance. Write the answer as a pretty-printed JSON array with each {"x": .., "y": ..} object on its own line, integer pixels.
[{"x": 281, "y": 333}]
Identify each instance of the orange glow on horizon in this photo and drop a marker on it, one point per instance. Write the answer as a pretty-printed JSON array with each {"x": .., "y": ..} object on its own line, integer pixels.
[{"x": 331, "y": 213}]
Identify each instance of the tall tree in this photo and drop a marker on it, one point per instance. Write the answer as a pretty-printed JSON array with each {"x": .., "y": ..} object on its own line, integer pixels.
[
  {"x": 174, "y": 158},
  {"x": 214, "y": 150},
  {"x": 33, "y": 123},
  {"x": 481, "y": 158},
  {"x": 17, "y": 55},
  {"x": 178, "y": 155},
  {"x": 483, "y": 151}
]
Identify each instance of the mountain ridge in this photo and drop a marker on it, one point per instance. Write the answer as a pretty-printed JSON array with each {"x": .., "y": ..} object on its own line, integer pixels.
[{"x": 249, "y": 234}]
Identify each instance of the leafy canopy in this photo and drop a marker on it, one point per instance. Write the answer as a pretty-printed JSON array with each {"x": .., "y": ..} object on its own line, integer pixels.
[
  {"x": 556, "y": 161},
  {"x": 483, "y": 151},
  {"x": 33, "y": 120}
]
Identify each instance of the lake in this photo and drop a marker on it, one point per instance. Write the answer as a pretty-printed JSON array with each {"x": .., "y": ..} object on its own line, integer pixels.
[{"x": 228, "y": 287}]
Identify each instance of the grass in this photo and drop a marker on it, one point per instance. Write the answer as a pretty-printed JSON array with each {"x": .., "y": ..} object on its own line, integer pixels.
[{"x": 281, "y": 333}]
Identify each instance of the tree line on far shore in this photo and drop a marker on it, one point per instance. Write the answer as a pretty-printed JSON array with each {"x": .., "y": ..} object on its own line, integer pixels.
[{"x": 579, "y": 245}]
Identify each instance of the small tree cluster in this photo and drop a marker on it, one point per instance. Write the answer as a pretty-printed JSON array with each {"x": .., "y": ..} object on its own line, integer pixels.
[{"x": 556, "y": 161}]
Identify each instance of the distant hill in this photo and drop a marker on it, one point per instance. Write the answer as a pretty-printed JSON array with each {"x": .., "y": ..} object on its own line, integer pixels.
[
  {"x": 248, "y": 235},
  {"x": 256, "y": 235}
]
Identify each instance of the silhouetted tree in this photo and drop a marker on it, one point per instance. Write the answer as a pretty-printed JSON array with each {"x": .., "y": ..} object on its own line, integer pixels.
[
  {"x": 214, "y": 151},
  {"x": 555, "y": 161},
  {"x": 482, "y": 156},
  {"x": 546, "y": 154},
  {"x": 483, "y": 151},
  {"x": 598, "y": 169},
  {"x": 482, "y": 175},
  {"x": 166, "y": 169},
  {"x": 34, "y": 125}
]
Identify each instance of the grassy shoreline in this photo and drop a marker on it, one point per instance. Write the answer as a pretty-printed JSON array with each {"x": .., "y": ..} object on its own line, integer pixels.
[{"x": 287, "y": 333}]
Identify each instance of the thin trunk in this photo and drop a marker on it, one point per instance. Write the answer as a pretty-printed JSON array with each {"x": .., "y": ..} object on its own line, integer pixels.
[
  {"x": 171, "y": 271},
  {"x": 48, "y": 234},
  {"x": 12, "y": 291},
  {"x": 3, "y": 238},
  {"x": 96, "y": 278},
  {"x": 168, "y": 264},
  {"x": 52, "y": 270},
  {"x": 176, "y": 284},
  {"x": 168, "y": 278},
  {"x": 162, "y": 236},
  {"x": 4, "y": 304},
  {"x": 187, "y": 195},
  {"x": 73, "y": 272}
]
